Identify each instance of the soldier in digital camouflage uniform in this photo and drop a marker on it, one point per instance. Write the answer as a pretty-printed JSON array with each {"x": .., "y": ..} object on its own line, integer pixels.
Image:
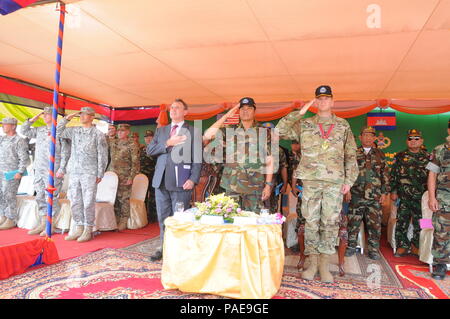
[
  {"x": 245, "y": 176},
  {"x": 125, "y": 163},
  {"x": 408, "y": 183},
  {"x": 148, "y": 164},
  {"x": 328, "y": 169},
  {"x": 42, "y": 135},
  {"x": 439, "y": 203},
  {"x": 367, "y": 194},
  {"x": 86, "y": 168},
  {"x": 13, "y": 157}
]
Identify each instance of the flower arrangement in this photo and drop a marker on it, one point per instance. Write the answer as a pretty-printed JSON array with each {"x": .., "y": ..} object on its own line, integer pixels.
[{"x": 221, "y": 205}]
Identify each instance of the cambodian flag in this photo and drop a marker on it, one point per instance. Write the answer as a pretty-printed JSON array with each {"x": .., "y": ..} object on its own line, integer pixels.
[
  {"x": 382, "y": 121},
  {"x": 8, "y": 6}
]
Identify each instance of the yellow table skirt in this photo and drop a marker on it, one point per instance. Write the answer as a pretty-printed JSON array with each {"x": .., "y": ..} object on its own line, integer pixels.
[{"x": 237, "y": 261}]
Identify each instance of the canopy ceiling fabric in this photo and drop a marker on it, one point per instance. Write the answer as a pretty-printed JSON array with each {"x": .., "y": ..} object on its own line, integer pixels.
[{"x": 211, "y": 53}]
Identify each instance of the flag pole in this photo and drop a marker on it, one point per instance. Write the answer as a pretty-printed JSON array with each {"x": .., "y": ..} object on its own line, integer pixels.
[{"x": 51, "y": 183}]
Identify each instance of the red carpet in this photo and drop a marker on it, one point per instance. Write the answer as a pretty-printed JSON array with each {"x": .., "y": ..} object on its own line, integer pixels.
[
  {"x": 124, "y": 274},
  {"x": 420, "y": 276},
  {"x": 70, "y": 249},
  {"x": 393, "y": 261}
]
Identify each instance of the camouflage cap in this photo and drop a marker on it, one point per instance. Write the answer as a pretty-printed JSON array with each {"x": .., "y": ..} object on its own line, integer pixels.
[
  {"x": 414, "y": 132},
  {"x": 88, "y": 110},
  {"x": 9, "y": 120},
  {"x": 48, "y": 110},
  {"x": 368, "y": 129},
  {"x": 123, "y": 127},
  {"x": 149, "y": 133}
]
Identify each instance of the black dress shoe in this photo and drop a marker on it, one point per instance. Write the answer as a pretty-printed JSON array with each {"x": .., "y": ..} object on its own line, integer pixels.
[
  {"x": 374, "y": 255},
  {"x": 350, "y": 251},
  {"x": 156, "y": 256},
  {"x": 439, "y": 271}
]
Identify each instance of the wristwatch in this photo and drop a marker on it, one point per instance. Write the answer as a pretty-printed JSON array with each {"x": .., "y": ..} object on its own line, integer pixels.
[{"x": 269, "y": 183}]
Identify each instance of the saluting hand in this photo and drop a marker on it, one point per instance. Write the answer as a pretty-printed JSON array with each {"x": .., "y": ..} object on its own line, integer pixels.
[
  {"x": 71, "y": 116},
  {"x": 35, "y": 118},
  {"x": 306, "y": 107}
]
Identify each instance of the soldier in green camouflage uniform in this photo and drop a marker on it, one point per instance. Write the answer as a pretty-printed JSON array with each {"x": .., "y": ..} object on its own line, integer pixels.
[
  {"x": 245, "y": 180},
  {"x": 294, "y": 160},
  {"x": 280, "y": 176},
  {"x": 439, "y": 203},
  {"x": 328, "y": 169},
  {"x": 408, "y": 183},
  {"x": 367, "y": 194},
  {"x": 148, "y": 169},
  {"x": 125, "y": 163}
]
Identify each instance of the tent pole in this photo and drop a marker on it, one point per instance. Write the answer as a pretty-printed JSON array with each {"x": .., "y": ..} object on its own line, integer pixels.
[{"x": 51, "y": 184}]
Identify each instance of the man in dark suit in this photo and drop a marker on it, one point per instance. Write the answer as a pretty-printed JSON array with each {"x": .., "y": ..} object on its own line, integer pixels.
[{"x": 178, "y": 148}]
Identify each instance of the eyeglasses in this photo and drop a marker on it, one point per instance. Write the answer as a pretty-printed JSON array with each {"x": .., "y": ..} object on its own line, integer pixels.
[{"x": 414, "y": 138}]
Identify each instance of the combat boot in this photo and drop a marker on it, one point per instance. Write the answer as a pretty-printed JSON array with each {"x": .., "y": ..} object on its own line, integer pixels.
[
  {"x": 400, "y": 252},
  {"x": 350, "y": 251},
  {"x": 78, "y": 232},
  {"x": 324, "y": 264},
  {"x": 44, "y": 232},
  {"x": 2, "y": 219},
  {"x": 39, "y": 228},
  {"x": 123, "y": 223},
  {"x": 8, "y": 224},
  {"x": 311, "y": 271},
  {"x": 86, "y": 236},
  {"x": 439, "y": 271},
  {"x": 414, "y": 251}
]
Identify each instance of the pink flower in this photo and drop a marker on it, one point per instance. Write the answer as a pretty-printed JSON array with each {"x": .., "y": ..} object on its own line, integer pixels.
[
  {"x": 238, "y": 210},
  {"x": 218, "y": 210},
  {"x": 229, "y": 210}
]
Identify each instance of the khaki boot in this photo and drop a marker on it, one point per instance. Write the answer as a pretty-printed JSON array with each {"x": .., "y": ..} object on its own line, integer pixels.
[
  {"x": 324, "y": 265},
  {"x": 8, "y": 224},
  {"x": 44, "y": 232},
  {"x": 39, "y": 228},
  {"x": 123, "y": 223},
  {"x": 311, "y": 271},
  {"x": 78, "y": 232},
  {"x": 86, "y": 236},
  {"x": 2, "y": 219}
]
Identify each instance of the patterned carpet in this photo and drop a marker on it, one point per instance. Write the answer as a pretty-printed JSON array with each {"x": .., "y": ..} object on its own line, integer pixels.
[
  {"x": 358, "y": 267},
  {"x": 128, "y": 274}
]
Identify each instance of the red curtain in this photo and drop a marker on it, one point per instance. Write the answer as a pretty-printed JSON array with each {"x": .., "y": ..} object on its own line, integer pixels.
[{"x": 15, "y": 259}]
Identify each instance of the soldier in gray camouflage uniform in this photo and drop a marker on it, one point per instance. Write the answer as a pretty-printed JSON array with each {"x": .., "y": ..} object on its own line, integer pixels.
[
  {"x": 87, "y": 164},
  {"x": 243, "y": 179},
  {"x": 328, "y": 169},
  {"x": 13, "y": 157},
  {"x": 41, "y": 166},
  {"x": 125, "y": 163}
]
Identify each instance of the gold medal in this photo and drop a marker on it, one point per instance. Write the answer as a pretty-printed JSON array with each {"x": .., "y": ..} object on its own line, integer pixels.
[{"x": 325, "y": 144}]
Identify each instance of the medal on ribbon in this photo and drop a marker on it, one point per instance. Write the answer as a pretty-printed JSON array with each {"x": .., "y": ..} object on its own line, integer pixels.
[{"x": 325, "y": 135}]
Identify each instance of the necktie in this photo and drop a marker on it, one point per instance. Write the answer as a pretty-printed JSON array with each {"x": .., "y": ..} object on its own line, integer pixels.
[{"x": 173, "y": 130}]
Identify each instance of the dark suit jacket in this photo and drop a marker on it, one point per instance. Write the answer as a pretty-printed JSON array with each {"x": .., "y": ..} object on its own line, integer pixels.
[{"x": 190, "y": 152}]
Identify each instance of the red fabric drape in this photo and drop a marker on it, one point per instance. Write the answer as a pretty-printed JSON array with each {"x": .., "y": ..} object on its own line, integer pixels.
[
  {"x": 15, "y": 259},
  {"x": 421, "y": 111}
]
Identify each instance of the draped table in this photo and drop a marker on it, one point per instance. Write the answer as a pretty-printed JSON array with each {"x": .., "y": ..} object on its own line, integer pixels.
[{"x": 237, "y": 261}]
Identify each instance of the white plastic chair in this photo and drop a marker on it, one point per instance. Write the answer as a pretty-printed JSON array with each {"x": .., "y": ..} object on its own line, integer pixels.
[
  {"x": 426, "y": 235},
  {"x": 27, "y": 208},
  {"x": 105, "y": 218},
  {"x": 138, "y": 211}
]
